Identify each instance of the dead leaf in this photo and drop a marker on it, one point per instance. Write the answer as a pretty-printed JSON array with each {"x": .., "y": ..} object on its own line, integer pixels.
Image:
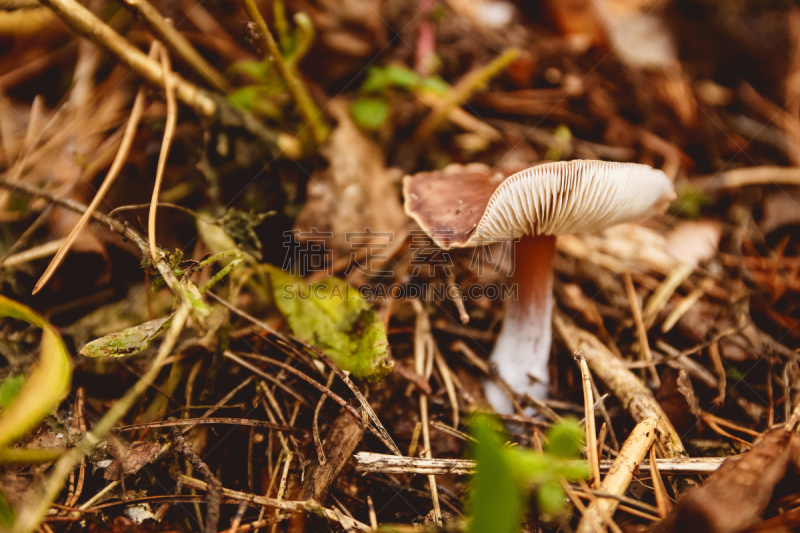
[
  {"x": 738, "y": 492},
  {"x": 354, "y": 194},
  {"x": 139, "y": 454}
]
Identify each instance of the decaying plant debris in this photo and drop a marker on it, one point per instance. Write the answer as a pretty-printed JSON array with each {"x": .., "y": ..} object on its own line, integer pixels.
[{"x": 203, "y": 241}]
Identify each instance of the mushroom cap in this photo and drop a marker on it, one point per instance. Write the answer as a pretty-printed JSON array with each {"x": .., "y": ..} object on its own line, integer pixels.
[{"x": 470, "y": 205}]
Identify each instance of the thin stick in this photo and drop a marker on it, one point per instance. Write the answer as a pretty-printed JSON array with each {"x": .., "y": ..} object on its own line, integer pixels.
[
  {"x": 34, "y": 253},
  {"x": 214, "y": 487},
  {"x": 391, "y": 464},
  {"x": 166, "y": 144},
  {"x": 223, "y": 401},
  {"x": 719, "y": 368},
  {"x": 591, "y": 431},
  {"x": 607, "y": 520},
  {"x": 206, "y": 421},
  {"x": 237, "y": 520},
  {"x": 282, "y": 485},
  {"x": 270, "y": 414},
  {"x": 113, "y": 172},
  {"x": 373, "y": 518},
  {"x": 108, "y": 488},
  {"x": 619, "y": 476}
]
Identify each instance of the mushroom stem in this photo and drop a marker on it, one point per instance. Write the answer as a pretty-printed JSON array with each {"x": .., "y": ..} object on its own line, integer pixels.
[{"x": 523, "y": 346}]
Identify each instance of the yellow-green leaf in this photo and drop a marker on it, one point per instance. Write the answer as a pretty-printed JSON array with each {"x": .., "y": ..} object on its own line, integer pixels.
[
  {"x": 44, "y": 387},
  {"x": 333, "y": 316},
  {"x": 128, "y": 341}
]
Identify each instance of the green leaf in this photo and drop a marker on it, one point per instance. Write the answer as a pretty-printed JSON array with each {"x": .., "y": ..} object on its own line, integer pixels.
[
  {"x": 551, "y": 498},
  {"x": 44, "y": 387},
  {"x": 377, "y": 81},
  {"x": 259, "y": 71},
  {"x": 690, "y": 202},
  {"x": 10, "y": 390},
  {"x": 574, "y": 470},
  {"x": 496, "y": 497},
  {"x": 563, "y": 145},
  {"x": 400, "y": 76},
  {"x": 530, "y": 466},
  {"x": 369, "y": 113},
  {"x": 128, "y": 341},
  {"x": 246, "y": 97},
  {"x": 565, "y": 439},
  {"x": 436, "y": 85},
  {"x": 333, "y": 316}
]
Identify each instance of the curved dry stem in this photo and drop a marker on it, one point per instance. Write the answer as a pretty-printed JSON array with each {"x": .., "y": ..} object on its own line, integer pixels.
[
  {"x": 116, "y": 167},
  {"x": 166, "y": 144}
]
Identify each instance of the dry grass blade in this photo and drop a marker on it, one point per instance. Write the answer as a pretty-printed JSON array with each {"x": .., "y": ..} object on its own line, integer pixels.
[
  {"x": 424, "y": 353},
  {"x": 166, "y": 144},
  {"x": 661, "y": 296},
  {"x": 641, "y": 329},
  {"x": 662, "y": 498},
  {"x": 591, "y": 432},
  {"x": 116, "y": 167}
]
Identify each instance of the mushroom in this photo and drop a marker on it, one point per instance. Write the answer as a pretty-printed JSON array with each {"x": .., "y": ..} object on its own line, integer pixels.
[{"x": 467, "y": 206}]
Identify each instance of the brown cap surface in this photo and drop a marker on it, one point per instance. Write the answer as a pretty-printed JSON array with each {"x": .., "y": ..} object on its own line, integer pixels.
[{"x": 470, "y": 205}]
